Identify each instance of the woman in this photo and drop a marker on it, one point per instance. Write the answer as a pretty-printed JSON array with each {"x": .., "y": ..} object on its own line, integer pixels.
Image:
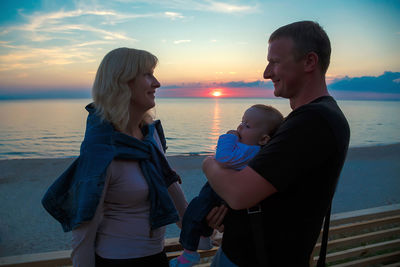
[{"x": 120, "y": 193}]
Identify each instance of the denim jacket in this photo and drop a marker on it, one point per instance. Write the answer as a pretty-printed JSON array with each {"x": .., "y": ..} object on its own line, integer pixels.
[{"x": 74, "y": 196}]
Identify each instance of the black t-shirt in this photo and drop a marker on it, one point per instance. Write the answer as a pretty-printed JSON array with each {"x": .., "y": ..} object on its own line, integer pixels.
[{"x": 303, "y": 162}]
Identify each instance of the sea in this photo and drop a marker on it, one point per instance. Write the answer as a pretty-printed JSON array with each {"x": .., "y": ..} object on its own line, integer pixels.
[{"x": 54, "y": 128}]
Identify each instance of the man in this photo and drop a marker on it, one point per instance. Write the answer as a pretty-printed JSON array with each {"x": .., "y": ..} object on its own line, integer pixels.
[{"x": 293, "y": 178}]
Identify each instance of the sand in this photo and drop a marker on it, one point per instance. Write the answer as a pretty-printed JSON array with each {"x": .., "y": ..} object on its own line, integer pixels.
[{"x": 370, "y": 178}]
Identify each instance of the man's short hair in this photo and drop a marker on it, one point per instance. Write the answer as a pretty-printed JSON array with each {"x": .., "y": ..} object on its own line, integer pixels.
[{"x": 307, "y": 36}]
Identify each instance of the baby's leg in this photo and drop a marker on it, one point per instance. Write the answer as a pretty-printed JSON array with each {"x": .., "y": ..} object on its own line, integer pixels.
[{"x": 194, "y": 227}]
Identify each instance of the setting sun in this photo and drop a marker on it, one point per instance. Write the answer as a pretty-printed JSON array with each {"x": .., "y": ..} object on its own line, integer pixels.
[{"x": 216, "y": 93}]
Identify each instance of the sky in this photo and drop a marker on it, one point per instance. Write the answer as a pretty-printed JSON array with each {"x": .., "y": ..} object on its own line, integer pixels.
[{"x": 53, "y": 47}]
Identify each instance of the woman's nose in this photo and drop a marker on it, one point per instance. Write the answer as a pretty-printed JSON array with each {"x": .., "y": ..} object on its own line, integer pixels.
[{"x": 156, "y": 83}]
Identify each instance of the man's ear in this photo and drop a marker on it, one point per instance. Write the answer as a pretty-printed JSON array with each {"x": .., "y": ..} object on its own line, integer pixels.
[
  {"x": 264, "y": 139},
  {"x": 311, "y": 62}
]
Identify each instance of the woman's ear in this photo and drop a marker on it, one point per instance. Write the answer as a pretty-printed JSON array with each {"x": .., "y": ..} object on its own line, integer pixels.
[
  {"x": 311, "y": 61},
  {"x": 264, "y": 139}
]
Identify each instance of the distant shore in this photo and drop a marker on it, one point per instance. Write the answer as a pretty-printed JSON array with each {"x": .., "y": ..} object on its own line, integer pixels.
[{"x": 370, "y": 178}]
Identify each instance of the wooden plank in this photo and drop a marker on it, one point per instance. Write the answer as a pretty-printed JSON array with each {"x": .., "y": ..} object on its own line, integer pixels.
[
  {"x": 172, "y": 244},
  {"x": 208, "y": 253},
  {"x": 396, "y": 264},
  {"x": 365, "y": 214},
  {"x": 358, "y": 239},
  {"x": 54, "y": 258},
  {"x": 361, "y": 251},
  {"x": 354, "y": 227},
  {"x": 203, "y": 253},
  {"x": 174, "y": 254},
  {"x": 389, "y": 257}
]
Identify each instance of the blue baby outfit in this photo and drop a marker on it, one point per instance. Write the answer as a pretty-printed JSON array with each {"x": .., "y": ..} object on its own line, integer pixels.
[
  {"x": 75, "y": 195},
  {"x": 231, "y": 153}
]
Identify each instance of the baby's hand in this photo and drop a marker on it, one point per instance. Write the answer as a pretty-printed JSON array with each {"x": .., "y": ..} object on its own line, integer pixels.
[{"x": 234, "y": 132}]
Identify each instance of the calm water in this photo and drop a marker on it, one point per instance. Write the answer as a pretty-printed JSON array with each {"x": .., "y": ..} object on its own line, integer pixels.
[{"x": 55, "y": 128}]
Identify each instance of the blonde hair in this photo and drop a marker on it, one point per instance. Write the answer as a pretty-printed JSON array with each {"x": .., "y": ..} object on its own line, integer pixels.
[
  {"x": 111, "y": 92},
  {"x": 275, "y": 118}
]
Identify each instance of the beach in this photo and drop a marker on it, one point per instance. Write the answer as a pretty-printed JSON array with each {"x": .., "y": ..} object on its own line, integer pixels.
[{"x": 370, "y": 178}]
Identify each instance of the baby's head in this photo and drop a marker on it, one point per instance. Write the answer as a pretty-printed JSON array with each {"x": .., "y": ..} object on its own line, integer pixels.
[{"x": 258, "y": 124}]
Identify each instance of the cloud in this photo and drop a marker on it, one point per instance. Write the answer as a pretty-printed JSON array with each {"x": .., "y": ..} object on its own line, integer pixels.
[
  {"x": 182, "y": 41},
  {"x": 45, "y": 94},
  {"x": 173, "y": 15},
  {"x": 24, "y": 57},
  {"x": 229, "y": 8},
  {"x": 242, "y": 84},
  {"x": 61, "y": 37},
  {"x": 206, "y": 6},
  {"x": 388, "y": 82},
  {"x": 92, "y": 43},
  {"x": 60, "y": 24},
  {"x": 233, "y": 84},
  {"x": 224, "y": 7}
]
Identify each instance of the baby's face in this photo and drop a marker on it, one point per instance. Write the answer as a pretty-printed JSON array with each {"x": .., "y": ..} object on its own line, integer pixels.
[{"x": 252, "y": 128}]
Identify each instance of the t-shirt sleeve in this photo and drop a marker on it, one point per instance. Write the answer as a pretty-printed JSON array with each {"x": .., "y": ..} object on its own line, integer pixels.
[{"x": 300, "y": 143}]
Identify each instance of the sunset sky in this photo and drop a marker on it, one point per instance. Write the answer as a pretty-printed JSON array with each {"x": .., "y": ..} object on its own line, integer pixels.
[{"x": 52, "y": 46}]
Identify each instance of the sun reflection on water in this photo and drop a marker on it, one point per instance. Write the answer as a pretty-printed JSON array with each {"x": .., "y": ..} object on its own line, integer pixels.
[{"x": 216, "y": 126}]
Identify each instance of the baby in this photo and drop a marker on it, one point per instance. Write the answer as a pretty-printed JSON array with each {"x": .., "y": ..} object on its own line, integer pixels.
[{"x": 234, "y": 150}]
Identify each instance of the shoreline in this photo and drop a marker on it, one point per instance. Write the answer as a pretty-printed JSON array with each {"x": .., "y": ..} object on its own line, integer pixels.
[
  {"x": 370, "y": 178},
  {"x": 195, "y": 154}
]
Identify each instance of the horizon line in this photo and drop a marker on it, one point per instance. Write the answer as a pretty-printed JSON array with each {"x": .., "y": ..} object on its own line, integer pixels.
[{"x": 341, "y": 98}]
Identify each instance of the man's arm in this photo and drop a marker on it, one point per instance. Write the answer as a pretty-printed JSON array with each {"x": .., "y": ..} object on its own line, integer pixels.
[{"x": 240, "y": 189}]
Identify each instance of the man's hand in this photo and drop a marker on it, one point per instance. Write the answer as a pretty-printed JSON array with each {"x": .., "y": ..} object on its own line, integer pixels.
[{"x": 216, "y": 216}]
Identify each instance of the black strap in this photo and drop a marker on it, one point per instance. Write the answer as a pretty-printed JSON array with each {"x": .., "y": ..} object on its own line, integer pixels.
[
  {"x": 255, "y": 215},
  {"x": 324, "y": 241}
]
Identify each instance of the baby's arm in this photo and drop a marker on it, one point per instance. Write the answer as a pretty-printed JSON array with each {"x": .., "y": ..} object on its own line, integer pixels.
[{"x": 233, "y": 154}]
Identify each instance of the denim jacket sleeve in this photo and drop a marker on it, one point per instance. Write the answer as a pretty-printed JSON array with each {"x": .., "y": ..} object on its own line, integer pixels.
[
  {"x": 84, "y": 236},
  {"x": 174, "y": 190},
  {"x": 159, "y": 137}
]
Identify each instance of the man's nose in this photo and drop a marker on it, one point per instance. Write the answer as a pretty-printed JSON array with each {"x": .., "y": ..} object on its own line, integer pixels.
[{"x": 267, "y": 72}]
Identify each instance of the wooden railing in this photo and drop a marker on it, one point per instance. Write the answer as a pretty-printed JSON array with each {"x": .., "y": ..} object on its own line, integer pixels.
[
  {"x": 363, "y": 238},
  {"x": 359, "y": 238}
]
